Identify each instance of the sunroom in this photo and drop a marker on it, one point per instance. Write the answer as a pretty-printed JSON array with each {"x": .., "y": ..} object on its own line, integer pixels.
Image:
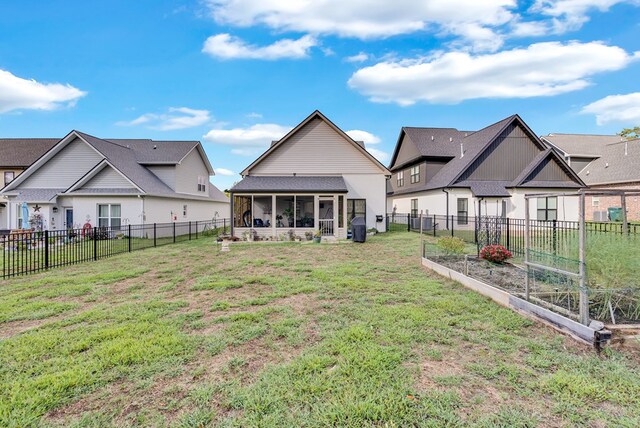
[{"x": 273, "y": 206}]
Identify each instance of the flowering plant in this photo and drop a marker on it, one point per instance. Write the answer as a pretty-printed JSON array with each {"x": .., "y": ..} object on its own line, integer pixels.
[{"x": 495, "y": 253}]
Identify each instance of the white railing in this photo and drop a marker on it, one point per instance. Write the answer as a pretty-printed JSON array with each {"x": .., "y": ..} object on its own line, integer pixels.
[{"x": 326, "y": 227}]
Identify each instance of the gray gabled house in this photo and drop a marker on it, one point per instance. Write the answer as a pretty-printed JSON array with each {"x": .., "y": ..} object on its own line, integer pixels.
[
  {"x": 444, "y": 171},
  {"x": 603, "y": 162},
  {"x": 113, "y": 182}
]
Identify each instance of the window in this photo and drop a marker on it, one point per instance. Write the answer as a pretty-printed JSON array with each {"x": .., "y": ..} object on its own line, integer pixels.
[
  {"x": 262, "y": 206},
  {"x": 8, "y": 177},
  {"x": 356, "y": 208},
  {"x": 463, "y": 211},
  {"x": 305, "y": 212},
  {"x": 19, "y": 215},
  {"x": 202, "y": 184},
  {"x": 415, "y": 174},
  {"x": 109, "y": 215},
  {"x": 548, "y": 208},
  {"x": 400, "y": 178},
  {"x": 595, "y": 201},
  {"x": 184, "y": 211},
  {"x": 414, "y": 208}
]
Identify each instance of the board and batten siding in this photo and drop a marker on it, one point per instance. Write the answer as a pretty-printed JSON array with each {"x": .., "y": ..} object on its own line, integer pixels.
[
  {"x": 108, "y": 178},
  {"x": 505, "y": 159},
  {"x": 65, "y": 168},
  {"x": 316, "y": 149},
  {"x": 166, "y": 174},
  {"x": 407, "y": 152},
  {"x": 187, "y": 173}
]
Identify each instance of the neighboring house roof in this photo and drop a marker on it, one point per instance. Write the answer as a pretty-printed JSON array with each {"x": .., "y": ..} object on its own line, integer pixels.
[
  {"x": 310, "y": 184},
  {"x": 37, "y": 195},
  {"x": 127, "y": 157},
  {"x": 618, "y": 163},
  {"x": 316, "y": 115},
  {"x": 22, "y": 152},
  {"x": 461, "y": 149},
  {"x": 580, "y": 144}
]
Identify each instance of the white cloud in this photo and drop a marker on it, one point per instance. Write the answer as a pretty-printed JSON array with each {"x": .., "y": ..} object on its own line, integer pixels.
[
  {"x": 570, "y": 15},
  {"x": 226, "y": 46},
  {"x": 225, "y": 172},
  {"x": 25, "y": 94},
  {"x": 176, "y": 118},
  {"x": 366, "y": 19},
  {"x": 254, "y": 115},
  {"x": 249, "y": 152},
  {"x": 616, "y": 108},
  {"x": 542, "y": 69},
  {"x": 361, "y": 57},
  {"x": 379, "y": 154},
  {"x": 366, "y": 137},
  {"x": 248, "y": 139}
]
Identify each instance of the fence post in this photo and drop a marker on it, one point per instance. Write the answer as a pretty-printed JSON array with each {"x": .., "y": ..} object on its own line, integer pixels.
[
  {"x": 196, "y": 229},
  {"x": 408, "y": 222},
  {"x": 475, "y": 230},
  {"x": 555, "y": 237},
  {"x": 508, "y": 234},
  {"x": 129, "y": 226},
  {"x": 452, "y": 234},
  {"x": 46, "y": 249},
  {"x": 224, "y": 226},
  {"x": 174, "y": 232},
  {"x": 155, "y": 244},
  {"x": 189, "y": 230},
  {"x": 434, "y": 225},
  {"x": 95, "y": 243}
]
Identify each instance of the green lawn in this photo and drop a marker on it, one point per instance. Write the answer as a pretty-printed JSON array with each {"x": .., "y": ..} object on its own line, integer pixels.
[{"x": 289, "y": 335}]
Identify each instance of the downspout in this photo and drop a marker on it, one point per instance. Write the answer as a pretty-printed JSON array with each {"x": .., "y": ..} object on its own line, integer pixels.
[{"x": 447, "y": 209}]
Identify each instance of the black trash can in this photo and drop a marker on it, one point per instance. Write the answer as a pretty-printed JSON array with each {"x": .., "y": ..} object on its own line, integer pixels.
[{"x": 358, "y": 229}]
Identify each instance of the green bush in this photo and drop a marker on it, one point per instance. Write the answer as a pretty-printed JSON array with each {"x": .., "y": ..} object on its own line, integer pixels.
[{"x": 451, "y": 245}]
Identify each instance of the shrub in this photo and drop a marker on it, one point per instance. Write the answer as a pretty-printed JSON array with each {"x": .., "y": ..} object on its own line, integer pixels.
[
  {"x": 495, "y": 253},
  {"x": 451, "y": 245}
]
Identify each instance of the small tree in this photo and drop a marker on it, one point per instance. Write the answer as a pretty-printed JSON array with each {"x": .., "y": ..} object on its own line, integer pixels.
[
  {"x": 451, "y": 245},
  {"x": 630, "y": 133}
]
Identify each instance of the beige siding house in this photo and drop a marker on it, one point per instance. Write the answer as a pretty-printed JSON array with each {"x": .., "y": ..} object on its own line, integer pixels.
[
  {"x": 16, "y": 154},
  {"x": 83, "y": 179},
  {"x": 315, "y": 178},
  {"x": 444, "y": 171}
]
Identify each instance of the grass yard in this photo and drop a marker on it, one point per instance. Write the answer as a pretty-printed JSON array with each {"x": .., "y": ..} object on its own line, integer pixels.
[{"x": 289, "y": 335}]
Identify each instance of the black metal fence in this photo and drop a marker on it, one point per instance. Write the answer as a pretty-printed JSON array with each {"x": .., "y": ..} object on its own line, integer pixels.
[
  {"x": 25, "y": 252},
  {"x": 553, "y": 236}
]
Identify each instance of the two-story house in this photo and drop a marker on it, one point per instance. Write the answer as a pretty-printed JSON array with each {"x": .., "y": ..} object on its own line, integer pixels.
[
  {"x": 84, "y": 179},
  {"x": 444, "y": 171}
]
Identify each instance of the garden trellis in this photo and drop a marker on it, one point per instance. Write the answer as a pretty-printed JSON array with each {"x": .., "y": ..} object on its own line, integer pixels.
[{"x": 594, "y": 275}]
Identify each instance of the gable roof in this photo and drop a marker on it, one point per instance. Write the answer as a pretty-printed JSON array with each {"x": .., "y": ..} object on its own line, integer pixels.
[
  {"x": 315, "y": 115},
  {"x": 123, "y": 156},
  {"x": 580, "y": 145},
  {"x": 614, "y": 166},
  {"x": 22, "y": 152},
  {"x": 450, "y": 144},
  {"x": 548, "y": 155}
]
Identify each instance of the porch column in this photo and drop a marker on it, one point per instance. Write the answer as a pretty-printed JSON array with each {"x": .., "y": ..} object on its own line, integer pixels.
[
  {"x": 335, "y": 215},
  {"x": 274, "y": 222},
  {"x": 316, "y": 210}
]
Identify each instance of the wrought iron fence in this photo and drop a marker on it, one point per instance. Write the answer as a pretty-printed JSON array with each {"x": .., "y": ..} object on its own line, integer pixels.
[
  {"x": 556, "y": 237},
  {"x": 25, "y": 252}
]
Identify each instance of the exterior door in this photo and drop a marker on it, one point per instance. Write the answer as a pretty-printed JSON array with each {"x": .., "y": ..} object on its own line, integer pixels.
[
  {"x": 326, "y": 217},
  {"x": 68, "y": 218}
]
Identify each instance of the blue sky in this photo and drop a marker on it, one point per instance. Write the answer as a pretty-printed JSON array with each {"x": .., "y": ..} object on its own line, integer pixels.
[{"x": 236, "y": 74}]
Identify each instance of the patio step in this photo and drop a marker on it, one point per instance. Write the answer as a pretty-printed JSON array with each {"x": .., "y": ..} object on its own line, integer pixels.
[{"x": 328, "y": 240}]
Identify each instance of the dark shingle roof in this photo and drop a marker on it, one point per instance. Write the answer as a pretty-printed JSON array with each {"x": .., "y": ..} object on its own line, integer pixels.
[
  {"x": 22, "y": 152},
  {"x": 307, "y": 184},
  {"x": 448, "y": 142},
  {"x": 157, "y": 152},
  {"x": 35, "y": 195}
]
